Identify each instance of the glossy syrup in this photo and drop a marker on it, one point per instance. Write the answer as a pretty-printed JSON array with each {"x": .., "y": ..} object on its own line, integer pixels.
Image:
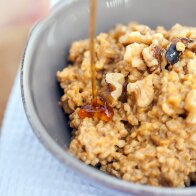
[{"x": 98, "y": 107}]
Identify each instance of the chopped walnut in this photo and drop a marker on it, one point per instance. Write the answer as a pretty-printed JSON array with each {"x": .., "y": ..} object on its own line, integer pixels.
[
  {"x": 163, "y": 31},
  {"x": 148, "y": 55},
  {"x": 118, "y": 31},
  {"x": 133, "y": 55},
  {"x": 159, "y": 39},
  {"x": 143, "y": 29},
  {"x": 152, "y": 55},
  {"x": 116, "y": 80},
  {"x": 180, "y": 47},
  {"x": 182, "y": 31},
  {"x": 135, "y": 37},
  {"x": 135, "y": 75},
  {"x": 143, "y": 90},
  {"x": 190, "y": 106}
]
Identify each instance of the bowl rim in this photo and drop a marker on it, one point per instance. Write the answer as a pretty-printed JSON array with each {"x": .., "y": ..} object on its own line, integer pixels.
[{"x": 50, "y": 144}]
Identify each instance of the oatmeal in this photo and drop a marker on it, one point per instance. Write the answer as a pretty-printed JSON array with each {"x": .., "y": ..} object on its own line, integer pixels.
[{"x": 148, "y": 80}]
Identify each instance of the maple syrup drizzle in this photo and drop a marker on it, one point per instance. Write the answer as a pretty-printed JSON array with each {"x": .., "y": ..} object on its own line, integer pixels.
[
  {"x": 92, "y": 45},
  {"x": 98, "y": 107}
]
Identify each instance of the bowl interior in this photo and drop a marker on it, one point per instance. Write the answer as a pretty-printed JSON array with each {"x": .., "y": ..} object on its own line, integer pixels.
[{"x": 71, "y": 23}]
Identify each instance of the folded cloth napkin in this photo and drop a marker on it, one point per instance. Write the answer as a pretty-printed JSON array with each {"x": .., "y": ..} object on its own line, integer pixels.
[{"x": 27, "y": 168}]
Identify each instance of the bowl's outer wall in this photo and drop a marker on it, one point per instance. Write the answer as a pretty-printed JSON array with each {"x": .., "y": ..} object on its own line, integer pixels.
[{"x": 72, "y": 24}]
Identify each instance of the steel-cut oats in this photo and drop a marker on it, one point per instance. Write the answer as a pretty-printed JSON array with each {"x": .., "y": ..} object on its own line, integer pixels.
[{"x": 151, "y": 138}]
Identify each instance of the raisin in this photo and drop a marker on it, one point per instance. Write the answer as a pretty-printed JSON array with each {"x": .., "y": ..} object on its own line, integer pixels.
[{"x": 172, "y": 55}]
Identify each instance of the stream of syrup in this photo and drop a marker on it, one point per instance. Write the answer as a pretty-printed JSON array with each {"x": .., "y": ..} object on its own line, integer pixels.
[
  {"x": 98, "y": 107},
  {"x": 92, "y": 45}
]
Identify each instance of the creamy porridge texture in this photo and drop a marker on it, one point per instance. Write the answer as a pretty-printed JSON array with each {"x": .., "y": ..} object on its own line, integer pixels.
[{"x": 148, "y": 78}]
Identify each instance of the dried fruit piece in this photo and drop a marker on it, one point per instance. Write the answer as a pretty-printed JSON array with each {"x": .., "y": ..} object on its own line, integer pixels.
[
  {"x": 176, "y": 48},
  {"x": 172, "y": 55}
]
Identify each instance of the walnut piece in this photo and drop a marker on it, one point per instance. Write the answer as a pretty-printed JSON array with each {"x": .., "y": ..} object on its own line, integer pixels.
[
  {"x": 133, "y": 55},
  {"x": 190, "y": 106},
  {"x": 116, "y": 80},
  {"x": 153, "y": 57},
  {"x": 182, "y": 31},
  {"x": 159, "y": 39},
  {"x": 180, "y": 47},
  {"x": 135, "y": 37},
  {"x": 149, "y": 56},
  {"x": 143, "y": 91}
]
